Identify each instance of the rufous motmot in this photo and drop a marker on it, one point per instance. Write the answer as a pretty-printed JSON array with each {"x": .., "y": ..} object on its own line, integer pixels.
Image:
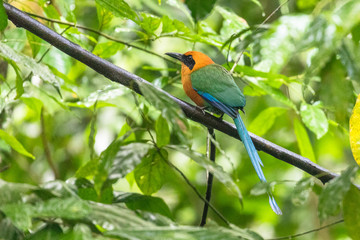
[{"x": 212, "y": 87}]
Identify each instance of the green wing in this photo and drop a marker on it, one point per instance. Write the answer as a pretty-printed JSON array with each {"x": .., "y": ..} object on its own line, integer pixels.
[{"x": 218, "y": 82}]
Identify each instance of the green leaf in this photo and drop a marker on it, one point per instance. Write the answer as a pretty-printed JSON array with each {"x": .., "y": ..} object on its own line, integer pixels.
[
  {"x": 118, "y": 160},
  {"x": 126, "y": 159},
  {"x": 3, "y": 17},
  {"x": 149, "y": 174},
  {"x": 19, "y": 80},
  {"x": 167, "y": 25},
  {"x": 15, "y": 144},
  {"x": 35, "y": 43},
  {"x": 38, "y": 69},
  {"x": 162, "y": 132},
  {"x": 119, "y": 8},
  {"x": 13, "y": 192},
  {"x": 79, "y": 232},
  {"x": 67, "y": 9},
  {"x": 170, "y": 110},
  {"x": 107, "y": 49},
  {"x": 200, "y": 8},
  {"x": 49, "y": 232},
  {"x": 89, "y": 169},
  {"x": 86, "y": 189},
  {"x": 232, "y": 23},
  {"x": 275, "y": 93},
  {"x": 34, "y": 104},
  {"x": 68, "y": 208},
  {"x": 265, "y": 119},
  {"x": 9, "y": 231},
  {"x": 277, "y": 45},
  {"x": 183, "y": 232},
  {"x": 314, "y": 118},
  {"x": 104, "y": 16},
  {"x": 351, "y": 207},
  {"x": 151, "y": 24},
  {"x": 212, "y": 167},
  {"x": 101, "y": 96},
  {"x": 334, "y": 192},
  {"x": 250, "y": 72},
  {"x": 349, "y": 54},
  {"x": 305, "y": 146},
  {"x": 119, "y": 217},
  {"x": 302, "y": 191},
  {"x": 137, "y": 201}
]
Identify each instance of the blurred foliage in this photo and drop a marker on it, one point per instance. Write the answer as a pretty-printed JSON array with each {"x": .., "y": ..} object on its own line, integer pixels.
[{"x": 84, "y": 158}]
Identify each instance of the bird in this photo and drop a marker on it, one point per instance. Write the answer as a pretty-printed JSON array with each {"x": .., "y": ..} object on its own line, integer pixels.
[{"x": 211, "y": 87}]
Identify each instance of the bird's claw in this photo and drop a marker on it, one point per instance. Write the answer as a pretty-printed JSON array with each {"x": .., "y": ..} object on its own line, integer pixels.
[{"x": 202, "y": 109}]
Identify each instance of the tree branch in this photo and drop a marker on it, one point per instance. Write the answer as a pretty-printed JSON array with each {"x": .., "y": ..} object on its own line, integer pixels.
[{"x": 119, "y": 75}]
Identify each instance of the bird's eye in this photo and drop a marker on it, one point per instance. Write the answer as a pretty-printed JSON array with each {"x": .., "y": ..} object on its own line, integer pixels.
[{"x": 190, "y": 57}]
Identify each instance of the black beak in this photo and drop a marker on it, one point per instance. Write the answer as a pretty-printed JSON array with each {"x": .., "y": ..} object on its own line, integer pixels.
[{"x": 177, "y": 56}]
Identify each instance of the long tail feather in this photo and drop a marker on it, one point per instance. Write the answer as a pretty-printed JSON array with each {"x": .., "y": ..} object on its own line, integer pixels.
[{"x": 254, "y": 157}]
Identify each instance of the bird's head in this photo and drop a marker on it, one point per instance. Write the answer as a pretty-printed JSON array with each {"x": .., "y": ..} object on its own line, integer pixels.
[{"x": 192, "y": 60}]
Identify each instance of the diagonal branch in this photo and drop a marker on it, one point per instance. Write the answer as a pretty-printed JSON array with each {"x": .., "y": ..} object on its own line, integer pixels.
[{"x": 119, "y": 75}]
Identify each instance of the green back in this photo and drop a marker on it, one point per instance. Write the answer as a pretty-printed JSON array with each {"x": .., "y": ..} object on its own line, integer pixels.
[{"x": 218, "y": 82}]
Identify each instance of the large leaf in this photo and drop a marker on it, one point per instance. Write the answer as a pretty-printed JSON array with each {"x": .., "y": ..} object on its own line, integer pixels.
[
  {"x": 162, "y": 132},
  {"x": 101, "y": 97},
  {"x": 35, "y": 43},
  {"x": 349, "y": 54},
  {"x": 351, "y": 207},
  {"x": 151, "y": 24},
  {"x": 68, "y": 208},
  {"x": 149, "y": 174},
  {"x": 38, "y": 69},
  {"x": 232, "y": 23},
  {"x": 170, "y": 110},
  {"x": 334, "y": 192},
  {"x": 107, "y": 49},
  {"x": 119, "y": 8},
  {"x": 3, "y": 17},
  {"x": 118, "y": 160},
  {"x": 13, "y": 192},
  {"x": 182, "y": 232},
  {"x": 355, "y": 131},
  {"x": 200, "y": 8},
  {"x": 9, "y": 231},
  {"x": 328, "y": 31},
  {"x": 15, "y": 144},
  {"x": 305, "y": 146},
  {"x": 212, "y": 167},
  {"x": 274, "y": 49},
  {"x": 302, "y": 191},
  {"x": 48, "y": 232},
  {"x": 137, "y": 201},
  {"x": 264, "y": 121},
  {"x": 19, "y": 80},
  {"x": 314, "y": 118}
]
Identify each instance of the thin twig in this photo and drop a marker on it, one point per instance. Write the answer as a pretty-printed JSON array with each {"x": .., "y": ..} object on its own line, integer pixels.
[
  {"x": 199, "y": 194},
  {"x": 103, "y": 35},
  {"x": 256, "y": 29},
  {"x": 45, "y": 142},
  {"x": 211, "y": 152},
  {"x": 307, "y": 232}
]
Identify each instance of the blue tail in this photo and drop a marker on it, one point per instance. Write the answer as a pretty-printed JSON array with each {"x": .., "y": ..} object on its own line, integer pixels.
[
  {"x": 245, "y": 138},
  {"x": 254, "y": 157}
]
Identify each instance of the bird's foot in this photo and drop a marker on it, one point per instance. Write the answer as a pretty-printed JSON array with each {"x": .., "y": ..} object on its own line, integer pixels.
[{"x": 202, "y": 109}]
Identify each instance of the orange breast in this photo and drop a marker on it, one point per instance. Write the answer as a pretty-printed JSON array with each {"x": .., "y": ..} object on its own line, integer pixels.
[{"x": 186, "y": 82}]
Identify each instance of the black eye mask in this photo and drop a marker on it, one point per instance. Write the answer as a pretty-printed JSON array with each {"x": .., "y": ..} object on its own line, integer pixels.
[{"x": 188, "y": 61}]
